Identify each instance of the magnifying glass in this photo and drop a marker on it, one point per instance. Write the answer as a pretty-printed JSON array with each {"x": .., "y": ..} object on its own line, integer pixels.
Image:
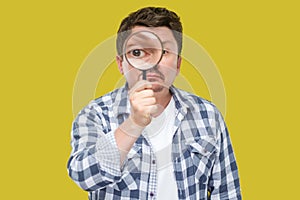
[{"x": 143, "y": 50}]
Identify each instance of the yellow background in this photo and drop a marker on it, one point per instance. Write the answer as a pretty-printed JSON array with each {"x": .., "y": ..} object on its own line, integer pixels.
[{"x": 255, "y": 45}]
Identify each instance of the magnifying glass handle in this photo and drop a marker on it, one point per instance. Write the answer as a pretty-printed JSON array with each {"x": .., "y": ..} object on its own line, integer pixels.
[{"x": 144, "y": 75}]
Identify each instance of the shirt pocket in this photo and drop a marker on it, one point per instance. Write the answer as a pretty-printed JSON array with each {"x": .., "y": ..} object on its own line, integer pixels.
[
  {"x": 133, "y": 160},
  {"x": 131, "y": 171},
  {"x": 203, "y": 157},
  {"x": 127, "y": 182}
]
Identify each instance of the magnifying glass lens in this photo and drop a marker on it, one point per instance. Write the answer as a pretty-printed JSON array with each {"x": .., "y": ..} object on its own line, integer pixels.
[{"x": 143, "y": 50}]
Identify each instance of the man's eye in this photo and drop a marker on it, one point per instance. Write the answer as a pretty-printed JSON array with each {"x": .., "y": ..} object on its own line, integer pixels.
[
  {"x": 165, "y": 51},
  {"x": 137, "y": 53}
]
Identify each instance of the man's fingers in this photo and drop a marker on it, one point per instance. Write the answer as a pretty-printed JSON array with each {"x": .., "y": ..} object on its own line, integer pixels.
[
  {"x": 140, "y": 85},
  {"x": 154, "y": 109},
  {"x": 144, "y": 102},
  {"x": 142, "y": 94}
]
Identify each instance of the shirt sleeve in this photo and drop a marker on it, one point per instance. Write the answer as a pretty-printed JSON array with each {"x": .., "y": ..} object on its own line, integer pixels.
[
  {"x": 224, "y": 182},
  {"x": 95, "y": 160}
]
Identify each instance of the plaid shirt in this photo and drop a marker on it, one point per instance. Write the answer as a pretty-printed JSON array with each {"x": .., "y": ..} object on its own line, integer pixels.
[{"x": 202, "y": 155}]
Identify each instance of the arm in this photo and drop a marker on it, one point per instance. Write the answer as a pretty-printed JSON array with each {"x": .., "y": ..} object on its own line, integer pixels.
[
  {"x": 142, "y": 103},
  {"x": 96, "y": 157},
  {"x": 224, "y": 183}
]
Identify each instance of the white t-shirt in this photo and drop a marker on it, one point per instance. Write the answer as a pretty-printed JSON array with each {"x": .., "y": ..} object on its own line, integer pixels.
[{"x": 160, "y": 133}]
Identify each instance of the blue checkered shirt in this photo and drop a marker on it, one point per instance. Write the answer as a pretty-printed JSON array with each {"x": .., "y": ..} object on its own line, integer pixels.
[{"x": 202, "y": 155}]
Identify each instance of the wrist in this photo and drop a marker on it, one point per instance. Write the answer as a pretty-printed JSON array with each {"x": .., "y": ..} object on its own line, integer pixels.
[{"x": 130, "y": 128}]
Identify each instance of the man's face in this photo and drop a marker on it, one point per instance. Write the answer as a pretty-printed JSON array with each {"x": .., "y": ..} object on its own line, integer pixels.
[{"x": 163, "y": 75}]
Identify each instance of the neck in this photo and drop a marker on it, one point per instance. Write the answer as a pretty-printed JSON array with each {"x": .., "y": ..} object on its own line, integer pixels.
[{"x": 163, "y": 98}]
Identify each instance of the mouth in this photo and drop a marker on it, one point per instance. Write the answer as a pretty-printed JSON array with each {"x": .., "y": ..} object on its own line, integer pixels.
[{"x": 152, "y": 76}]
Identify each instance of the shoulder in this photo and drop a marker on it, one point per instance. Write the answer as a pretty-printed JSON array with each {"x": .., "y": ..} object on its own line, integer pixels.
[
  {"x": 105, "y": 101},
  {"x": 114, "y": 96},
  {"x": 193, "y": 102}
]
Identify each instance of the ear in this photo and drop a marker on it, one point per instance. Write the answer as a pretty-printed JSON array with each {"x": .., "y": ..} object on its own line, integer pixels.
[
  {"x": 178, "y": 64},
  {"x": 119, "y": 61}
]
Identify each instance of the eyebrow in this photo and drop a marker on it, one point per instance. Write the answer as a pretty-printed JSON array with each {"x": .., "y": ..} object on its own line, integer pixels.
[{"x": 169, "y": 43}]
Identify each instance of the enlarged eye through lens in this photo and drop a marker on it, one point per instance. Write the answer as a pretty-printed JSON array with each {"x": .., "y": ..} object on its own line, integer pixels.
[
  {"x": 137, "y": 53},
  {"x": 143, "y": 50}
]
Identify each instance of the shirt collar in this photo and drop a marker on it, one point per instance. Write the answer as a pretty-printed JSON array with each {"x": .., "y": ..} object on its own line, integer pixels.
[{"x": 182, "y": 99}]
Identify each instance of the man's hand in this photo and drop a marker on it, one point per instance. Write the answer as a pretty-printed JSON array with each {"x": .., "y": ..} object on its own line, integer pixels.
[
  {"x": 143, "y": 103},
  {"x": 143, "y": 106}
]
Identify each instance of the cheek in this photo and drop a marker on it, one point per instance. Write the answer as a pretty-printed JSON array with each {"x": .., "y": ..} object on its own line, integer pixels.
[
  {"x": 171, "y": 77},
  {"x": 170, "y": 65},
  {"x": 131, "y": 75},
  {"x": 170, "y": 70},
  {"x": 170, "y": 60}
]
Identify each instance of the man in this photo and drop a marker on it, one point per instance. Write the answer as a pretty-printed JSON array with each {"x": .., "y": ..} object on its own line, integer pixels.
[{"x": 148, "y": 139}]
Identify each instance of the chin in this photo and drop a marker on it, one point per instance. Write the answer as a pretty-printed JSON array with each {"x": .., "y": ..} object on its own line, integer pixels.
[{"x": 157, "y": 87}]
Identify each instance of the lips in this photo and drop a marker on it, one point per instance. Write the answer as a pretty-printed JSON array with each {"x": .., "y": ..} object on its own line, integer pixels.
[{"x": 153, "y": 76}]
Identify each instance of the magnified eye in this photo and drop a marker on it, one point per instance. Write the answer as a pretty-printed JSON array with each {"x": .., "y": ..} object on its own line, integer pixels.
[{"x": 137, "y": 53}]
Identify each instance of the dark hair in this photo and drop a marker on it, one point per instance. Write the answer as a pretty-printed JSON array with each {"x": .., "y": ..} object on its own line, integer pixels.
[{"x": 150, "y": 17}]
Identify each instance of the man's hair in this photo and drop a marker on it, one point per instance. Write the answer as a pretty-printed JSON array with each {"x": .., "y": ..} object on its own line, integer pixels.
[{"x": 150, "y": 17}]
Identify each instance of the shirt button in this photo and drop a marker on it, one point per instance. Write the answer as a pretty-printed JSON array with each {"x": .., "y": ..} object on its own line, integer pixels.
[
  {"x": 151, "y": 194},
  {"x": 153, "y": 162}
]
